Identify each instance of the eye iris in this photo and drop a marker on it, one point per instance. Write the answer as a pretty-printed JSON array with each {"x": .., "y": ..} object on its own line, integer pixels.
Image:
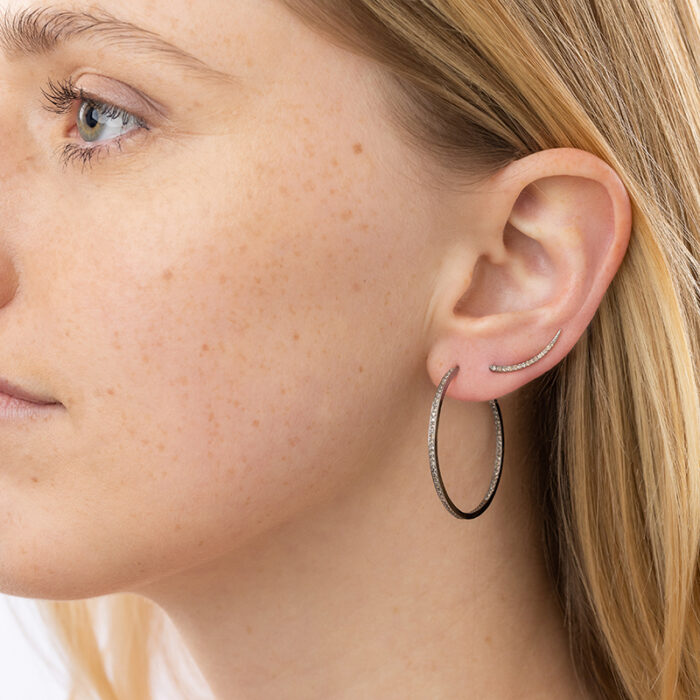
[{"x": 90, "y": 115}]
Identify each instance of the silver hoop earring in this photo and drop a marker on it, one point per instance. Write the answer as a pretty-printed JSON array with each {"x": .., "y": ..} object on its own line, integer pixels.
[{"x": 500, "y": 443}]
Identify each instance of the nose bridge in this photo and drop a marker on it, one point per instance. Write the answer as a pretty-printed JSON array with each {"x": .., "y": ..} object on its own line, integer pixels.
[
  {"x": 22, "y": 112},
  {"x": 10, "y": 139},
  {"x": 23, "y": 199},
  {"x": 19, "y": 159},
  {"x": 14, "y": 181}
]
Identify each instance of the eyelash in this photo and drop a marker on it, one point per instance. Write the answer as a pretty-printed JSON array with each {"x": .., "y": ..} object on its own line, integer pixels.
[{"x": 61, "y": 96}]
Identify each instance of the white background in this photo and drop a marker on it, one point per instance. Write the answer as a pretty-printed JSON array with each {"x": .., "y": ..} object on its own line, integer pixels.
[{"x": 23, "y": 673}]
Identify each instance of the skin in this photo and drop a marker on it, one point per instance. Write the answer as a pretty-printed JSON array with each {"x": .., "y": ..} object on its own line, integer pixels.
[{"x": 245, "y": 316}]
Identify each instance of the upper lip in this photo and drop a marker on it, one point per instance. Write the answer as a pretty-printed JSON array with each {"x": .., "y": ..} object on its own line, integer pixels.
[{"x": 6, "y": 387}]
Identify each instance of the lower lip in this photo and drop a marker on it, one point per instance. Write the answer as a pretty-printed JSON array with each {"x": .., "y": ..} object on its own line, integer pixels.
[{"x": 13, "y": 408}]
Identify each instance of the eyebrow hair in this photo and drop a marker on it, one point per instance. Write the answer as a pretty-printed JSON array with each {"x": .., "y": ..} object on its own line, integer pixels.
[{"x": 41, "y": 30}]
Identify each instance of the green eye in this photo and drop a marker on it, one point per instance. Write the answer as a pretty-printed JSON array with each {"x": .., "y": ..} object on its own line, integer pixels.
[{"x": 94, "y": 120}]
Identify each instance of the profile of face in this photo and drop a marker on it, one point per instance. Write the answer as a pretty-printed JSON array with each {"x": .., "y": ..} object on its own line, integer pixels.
[
  {"x": 209, "y": 300},
  {"x": 231, "y": 299}
]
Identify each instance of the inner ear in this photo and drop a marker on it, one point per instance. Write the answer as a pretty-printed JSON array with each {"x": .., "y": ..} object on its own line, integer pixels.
[{"x": 524, "y": 281}]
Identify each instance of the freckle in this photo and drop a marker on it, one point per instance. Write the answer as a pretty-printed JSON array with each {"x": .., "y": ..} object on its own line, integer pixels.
[
  {"x": 488, "y": 640},
  {"x": 309, "y": 186},
  {"x": 168, "y": 274},
  {"x": 110, "y": 391},
  {"x": 357, "y": 148},
  {"x": 145, "y": 358},
  {"x": 283, "y": 190},
  {"x": 395, "y": 609},
  {"x": 355, "y": 287},
  {"x": 362, "y": 369},
  {"x": 256, "y": 423},
  {"x": 211, "y": 416},
  {"x": 200, "y": 543},
  {"x": 296, "y": 336},
  {"x": 249, "y": 629},
  {"x": 334, "y": 161},
  {"x": 205, "y": 347},
  {"x": 178, "y": 526},
  {"x": 243, "y": 248},
  {"x": 333, "y": 190},
  {"x": 306, "y": 120},
  {"x": 223, "y": 279},
  {"x": 364, "y": 227},
  {"x": 295, "y": 440},
  {"x": 161, "y": 446},
  {"x": 347, "y": 214},
  {"x": 34, "y": 479}
]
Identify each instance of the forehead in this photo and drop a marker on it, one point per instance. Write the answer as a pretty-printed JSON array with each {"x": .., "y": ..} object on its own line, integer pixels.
[{"x": 215, "y": 33}]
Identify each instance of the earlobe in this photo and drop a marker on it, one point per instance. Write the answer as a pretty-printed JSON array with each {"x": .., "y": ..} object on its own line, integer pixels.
[{"x": 568, "y": 221}]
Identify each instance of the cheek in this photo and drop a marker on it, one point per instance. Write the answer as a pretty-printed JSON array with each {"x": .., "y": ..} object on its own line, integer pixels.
[{"x": 223, "y": 377}]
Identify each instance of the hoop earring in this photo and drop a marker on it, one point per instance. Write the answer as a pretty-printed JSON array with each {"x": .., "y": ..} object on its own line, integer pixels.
[{"x": 500, "y": 443}]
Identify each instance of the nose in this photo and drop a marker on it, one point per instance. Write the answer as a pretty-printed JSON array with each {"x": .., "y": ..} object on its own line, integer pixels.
[{"x": 9, "y": 281}]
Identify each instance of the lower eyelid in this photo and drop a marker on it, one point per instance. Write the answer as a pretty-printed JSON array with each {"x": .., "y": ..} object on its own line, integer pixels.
[
  {"x": 109, "y": 148},
  {"x": 114, "y": 146}
]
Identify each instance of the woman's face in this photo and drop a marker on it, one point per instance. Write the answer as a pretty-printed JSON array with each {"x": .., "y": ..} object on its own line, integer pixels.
[{"x": 229, "y": 305}]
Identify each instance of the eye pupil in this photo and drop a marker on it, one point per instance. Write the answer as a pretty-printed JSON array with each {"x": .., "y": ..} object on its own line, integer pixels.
[{"x": 90, "y": 118}]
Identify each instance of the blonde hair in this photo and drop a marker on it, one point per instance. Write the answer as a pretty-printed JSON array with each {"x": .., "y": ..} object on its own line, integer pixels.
[{"x": 477, "y": 85}]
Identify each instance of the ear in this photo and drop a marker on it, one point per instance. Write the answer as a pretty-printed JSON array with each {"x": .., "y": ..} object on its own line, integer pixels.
[{"x": 543, "y": 238}]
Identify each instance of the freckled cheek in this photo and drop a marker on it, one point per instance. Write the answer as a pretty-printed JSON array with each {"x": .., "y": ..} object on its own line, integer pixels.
[
  {"x": 265, "y": 285},
  {"x": 261, "y": 301},
  {"x": 234, "y": 358}
]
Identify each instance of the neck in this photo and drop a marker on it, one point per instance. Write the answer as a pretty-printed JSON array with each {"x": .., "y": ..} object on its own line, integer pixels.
[{"x": 379, "y": 589}]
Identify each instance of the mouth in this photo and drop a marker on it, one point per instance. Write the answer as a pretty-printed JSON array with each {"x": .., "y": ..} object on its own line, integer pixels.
[{"x": 9, "y": 391}]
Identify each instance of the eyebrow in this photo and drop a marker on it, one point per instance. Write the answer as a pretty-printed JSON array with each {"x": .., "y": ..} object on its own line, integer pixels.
[{"x": 41, "y": 30}]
